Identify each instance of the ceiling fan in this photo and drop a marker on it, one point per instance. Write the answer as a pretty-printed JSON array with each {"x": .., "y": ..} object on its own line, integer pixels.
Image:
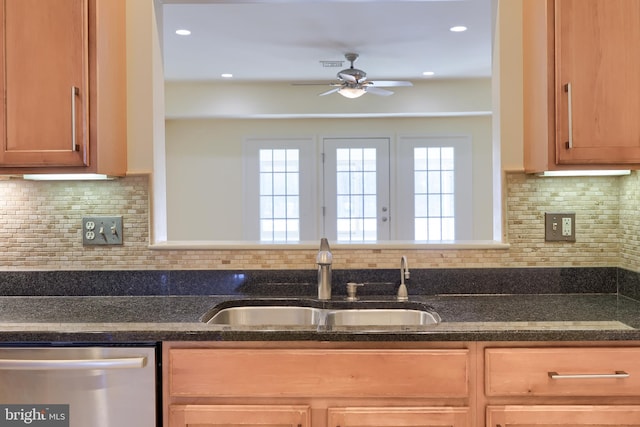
[{"x": 353, "y": 82}]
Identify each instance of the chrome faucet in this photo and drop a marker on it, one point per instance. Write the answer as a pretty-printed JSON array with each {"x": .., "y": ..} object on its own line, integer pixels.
[
  {"x": 324, "y": 259},
  {"x": 404, "y": 274}
]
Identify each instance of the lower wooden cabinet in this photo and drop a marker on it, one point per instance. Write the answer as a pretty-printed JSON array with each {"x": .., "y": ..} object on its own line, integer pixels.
[
  {"x": 563, "y": 415},
  {"x": 464, "y": 384},
  {"x": 300, "y": 416},
  {"x": 562, "y": 371},
  {"x": 398, "y": 417},
  {"x": 569, "y": 385},
  {"x": 236, "y": 415},
  {"x": 258, "y": 386}
]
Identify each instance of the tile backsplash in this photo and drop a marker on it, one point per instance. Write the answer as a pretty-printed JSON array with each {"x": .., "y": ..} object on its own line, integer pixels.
[{"x": 40, "y": 230}]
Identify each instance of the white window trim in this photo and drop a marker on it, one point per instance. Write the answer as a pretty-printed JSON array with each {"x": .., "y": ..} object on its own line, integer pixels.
[
  {"x": 463, "y": 179},
  {"x": 251, "y": 185}
]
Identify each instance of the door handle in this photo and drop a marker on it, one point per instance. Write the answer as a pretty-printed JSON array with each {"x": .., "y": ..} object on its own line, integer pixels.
[
  {"x": 617, "y": 374},
  {"x": 69, "y": 364},
  {"x": 568, "y": 89},
  {"x": 75, "y": 91}
]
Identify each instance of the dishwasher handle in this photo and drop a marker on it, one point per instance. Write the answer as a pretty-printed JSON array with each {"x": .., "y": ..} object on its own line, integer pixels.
[{"x": 69, "y": 364}]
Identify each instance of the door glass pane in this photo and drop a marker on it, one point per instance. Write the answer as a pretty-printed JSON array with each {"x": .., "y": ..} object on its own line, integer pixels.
[
  {"x": 369, "y": 182},
  {"x": 342, "y": 179},
  {"x": 342, "y": 159},
  {"x": 357, "y": 167},
  {"x": 369, "y": 159},
  {"x": 355, "y": 210},
  {"x": 369, "y": 206}
]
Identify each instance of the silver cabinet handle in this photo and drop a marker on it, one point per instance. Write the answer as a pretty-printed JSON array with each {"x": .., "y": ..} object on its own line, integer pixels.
[
  {"x": 75, "y": 91},
  {"x": 567, "y": 88},
  {"x": 67, "y": 364},
  {"x": 557, "y": 376}
]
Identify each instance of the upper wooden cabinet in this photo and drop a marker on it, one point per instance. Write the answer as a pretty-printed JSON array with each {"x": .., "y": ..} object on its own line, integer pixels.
[
  {"x": 581, "y": 84},
  {"x": 63, "y": 74}
]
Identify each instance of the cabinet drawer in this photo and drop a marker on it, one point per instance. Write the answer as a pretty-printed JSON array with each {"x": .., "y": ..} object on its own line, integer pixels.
[
  {"x": 562, "y": 371},
  {"x": 564, "y": 415},
  {"x": 237, "y": 415},
  {"x": 398, "y": 417},
  {"x": 322, "y": 373}
]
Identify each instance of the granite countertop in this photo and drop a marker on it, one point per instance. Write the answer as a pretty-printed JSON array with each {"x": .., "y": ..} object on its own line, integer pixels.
[
  {"x": 152, "y": 318},
  {"x": 502, "y": 304}
]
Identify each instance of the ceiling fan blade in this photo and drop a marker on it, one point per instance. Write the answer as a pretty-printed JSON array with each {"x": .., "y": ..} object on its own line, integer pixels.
[
  {"x": 391, "y": 83},
  {"x": 316, "y": 84},
  {"x": 329, "y": 92},
  {"x": 348, "y": 78},
  {"x": 378, "y": 91}
]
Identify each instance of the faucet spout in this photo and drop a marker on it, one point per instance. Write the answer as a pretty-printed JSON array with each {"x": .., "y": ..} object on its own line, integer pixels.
[
  {"x": 403, "y": 294},
  {"x": 324, "y": 260}
]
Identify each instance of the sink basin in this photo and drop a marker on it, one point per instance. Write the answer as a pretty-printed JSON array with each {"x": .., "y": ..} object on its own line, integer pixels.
[
  {"x": 311, "y": 314},
  {"x": 381, "y": 317},
  {"x": 267, "y": 316}
]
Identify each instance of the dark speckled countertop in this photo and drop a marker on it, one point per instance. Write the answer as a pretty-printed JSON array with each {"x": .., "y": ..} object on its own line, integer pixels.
[
  {"x": 464, "y": 318},
  {"x": 577, "y": 305}
]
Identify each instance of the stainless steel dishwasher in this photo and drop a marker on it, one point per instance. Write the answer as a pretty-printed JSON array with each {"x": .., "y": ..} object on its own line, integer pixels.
[{"x": 79, "y": 386}]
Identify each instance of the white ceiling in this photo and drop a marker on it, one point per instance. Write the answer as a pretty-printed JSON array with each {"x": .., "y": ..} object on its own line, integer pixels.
[{"x": 286, "y": 40}]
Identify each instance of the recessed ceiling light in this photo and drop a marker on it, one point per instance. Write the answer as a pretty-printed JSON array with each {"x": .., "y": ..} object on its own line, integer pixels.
[
  {"x": 226, "y": 75},
  {"x": 458, "y": 28},
  {"x": 183, "y": 32},
  {"x": 428, "y": 73}
]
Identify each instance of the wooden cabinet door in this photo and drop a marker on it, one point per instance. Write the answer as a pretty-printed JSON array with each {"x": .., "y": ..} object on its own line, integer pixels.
[
  {"x": 398, "y": 417},
  {"x": 597, "y": 81},
  {"x": 43, "y": 121},
  {"x": 239, "y": 415},
  {"x": 563, "y": 415}
]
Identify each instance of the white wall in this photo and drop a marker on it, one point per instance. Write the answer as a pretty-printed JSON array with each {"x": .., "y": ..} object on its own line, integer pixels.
[
  {"x": 204, "y": 165},
  {"x": 232, "y": 100},
  {"x": 146, "y": 103}
]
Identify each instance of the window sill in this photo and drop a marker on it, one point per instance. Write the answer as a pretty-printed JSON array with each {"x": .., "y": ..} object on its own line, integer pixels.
[{"x": 409, "y": 245}]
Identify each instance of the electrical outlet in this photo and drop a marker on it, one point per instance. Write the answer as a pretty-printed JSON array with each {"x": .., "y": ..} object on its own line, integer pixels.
[
  {"x": 560, "y": 227},
  {"x": 102, "y": 230},
  {"x": 567, "y": 227}
]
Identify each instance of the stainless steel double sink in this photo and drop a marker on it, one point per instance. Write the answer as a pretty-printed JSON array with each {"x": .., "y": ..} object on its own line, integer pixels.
[{"x": 314, "y": 314}]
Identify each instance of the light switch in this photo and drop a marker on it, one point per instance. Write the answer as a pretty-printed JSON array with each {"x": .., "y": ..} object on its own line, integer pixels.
[
  {"x": 560, "y": 227},
  {"x": 102, "y": 230}
]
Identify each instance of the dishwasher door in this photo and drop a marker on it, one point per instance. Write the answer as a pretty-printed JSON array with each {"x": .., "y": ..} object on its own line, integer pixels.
[{"x": 78, "y": 386}]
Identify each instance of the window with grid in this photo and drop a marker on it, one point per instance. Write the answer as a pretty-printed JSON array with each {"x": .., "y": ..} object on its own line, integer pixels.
[
  {"x": 435, "y": 188},
  {"x": 279, "y": 190},
  {"x": 279, "y": 195},
  {"x": 434, "y": 205}
]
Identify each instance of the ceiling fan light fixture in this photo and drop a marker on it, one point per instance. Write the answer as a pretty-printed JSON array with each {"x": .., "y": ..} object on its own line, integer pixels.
[{"x": 352, "y": 92}]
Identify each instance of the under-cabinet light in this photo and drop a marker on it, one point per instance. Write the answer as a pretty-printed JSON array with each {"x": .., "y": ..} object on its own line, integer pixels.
[
  {"x": 586, "y": 173},
  {"x": 66, "y": 177}
]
